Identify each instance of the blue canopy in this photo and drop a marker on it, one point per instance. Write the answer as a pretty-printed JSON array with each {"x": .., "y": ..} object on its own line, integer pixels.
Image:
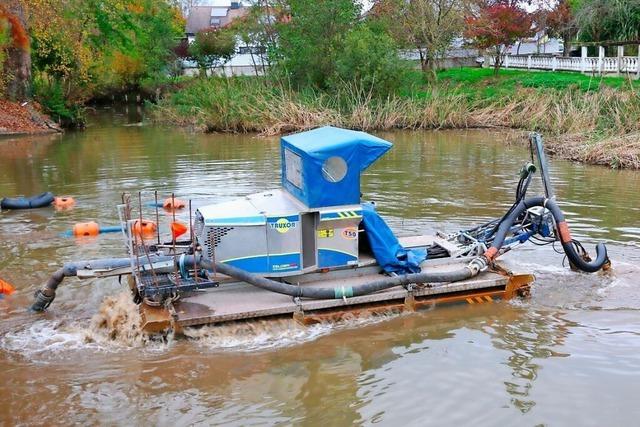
[{"x": 322, "y": 167}]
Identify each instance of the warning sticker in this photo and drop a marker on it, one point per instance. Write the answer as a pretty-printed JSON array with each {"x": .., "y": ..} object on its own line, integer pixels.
[{"x": 323, "y": 234}]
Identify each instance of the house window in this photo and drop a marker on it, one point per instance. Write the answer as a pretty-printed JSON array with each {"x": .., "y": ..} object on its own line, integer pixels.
[{"x": 215, "y": 22}]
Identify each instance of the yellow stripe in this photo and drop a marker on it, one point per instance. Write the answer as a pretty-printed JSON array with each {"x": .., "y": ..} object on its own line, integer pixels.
[
  {"x": 470, "y": 301},
  {"x": 479, "y": 299},
  {"x": 488, "y": 298},
  {"x": 353, "y": 214},
  {"x": 341, "y": 215}
]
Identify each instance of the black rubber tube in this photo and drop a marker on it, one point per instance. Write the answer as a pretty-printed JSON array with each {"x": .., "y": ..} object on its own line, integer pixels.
[
  {"x": 563, "y": 230},
  {"x": 466, "y": 272},
  {"x": 38, "y": 201},
  {"x": 45, "y": 296}
]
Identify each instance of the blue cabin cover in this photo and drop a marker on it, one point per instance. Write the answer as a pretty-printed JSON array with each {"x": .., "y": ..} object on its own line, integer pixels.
[{"x": 313, "y": 164}]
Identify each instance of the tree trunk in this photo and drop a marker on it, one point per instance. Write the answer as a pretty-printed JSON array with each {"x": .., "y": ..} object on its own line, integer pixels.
[
  {"x": 17, "y": 66},
  {"x": 431, "y": 64},
  {"x": 423, "y": 61},
  {"x": 567, "y": 36},
  {"x": 497, "y": 63}
]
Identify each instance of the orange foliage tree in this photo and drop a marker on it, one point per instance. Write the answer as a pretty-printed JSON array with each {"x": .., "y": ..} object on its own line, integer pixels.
[
  {"x": 497, "y": 25},
  {"x": 15, "y": 60}
]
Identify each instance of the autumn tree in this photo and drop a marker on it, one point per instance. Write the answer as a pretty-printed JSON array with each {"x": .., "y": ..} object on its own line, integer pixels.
[
  {"x": 16, "y": 59},
  {"x": 428, "y": 26},
  {"x": 561, "y": 23},
  {"x": 497, "y": 25},
  {"x": 87, "y": 48}
]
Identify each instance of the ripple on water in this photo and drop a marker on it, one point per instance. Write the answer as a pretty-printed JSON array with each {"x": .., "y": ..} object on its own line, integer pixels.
[{"x": 270, "y": 334}]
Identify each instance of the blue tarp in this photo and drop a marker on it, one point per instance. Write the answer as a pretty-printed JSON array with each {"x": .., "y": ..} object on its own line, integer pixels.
[
  {"x": 389, "y": 253},
  {"x": 312, "y": 149}
]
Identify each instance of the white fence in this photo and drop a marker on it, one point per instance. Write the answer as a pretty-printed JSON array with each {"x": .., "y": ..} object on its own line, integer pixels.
[{"x": 595, "y": 65}]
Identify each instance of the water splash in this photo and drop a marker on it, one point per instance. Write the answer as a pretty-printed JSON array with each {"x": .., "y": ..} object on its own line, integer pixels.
[
  {"x": 118, "y": 320},
  {"x": 116, "y": 327}
]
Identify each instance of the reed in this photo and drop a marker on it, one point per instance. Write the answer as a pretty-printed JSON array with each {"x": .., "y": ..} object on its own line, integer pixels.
[{"x": 595, "y": 126}]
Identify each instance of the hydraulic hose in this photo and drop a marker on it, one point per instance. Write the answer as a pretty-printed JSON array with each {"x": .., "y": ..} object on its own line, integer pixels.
[
  {"x": 470, "y": 270},
  {"x": 45, "y": 296},
  {"x": 564, "y": 234}
]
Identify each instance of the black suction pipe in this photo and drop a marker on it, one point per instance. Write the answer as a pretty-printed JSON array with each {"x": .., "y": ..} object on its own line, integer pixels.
[
  {"x": 45, "y": 296},
  {"x": 563, "y": 233},
  {"x": 466, "y": 272}
]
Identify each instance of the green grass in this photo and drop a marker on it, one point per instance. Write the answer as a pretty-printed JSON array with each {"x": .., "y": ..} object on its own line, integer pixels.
[
  {"x": 481, "y": 85},
  {"x": 510, "y": 80}
]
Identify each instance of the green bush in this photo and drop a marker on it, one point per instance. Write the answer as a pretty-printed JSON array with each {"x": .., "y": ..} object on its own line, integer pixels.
[
  {"x": 369, "y": 59},
  {"x": 51, "y": 96}
]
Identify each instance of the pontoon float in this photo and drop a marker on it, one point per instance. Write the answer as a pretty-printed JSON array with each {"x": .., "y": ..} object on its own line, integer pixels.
[{"x": 313, "y": 250}]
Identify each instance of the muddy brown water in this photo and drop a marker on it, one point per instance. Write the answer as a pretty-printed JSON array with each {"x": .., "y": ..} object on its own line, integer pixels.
[{"x": 569, "y": 355}]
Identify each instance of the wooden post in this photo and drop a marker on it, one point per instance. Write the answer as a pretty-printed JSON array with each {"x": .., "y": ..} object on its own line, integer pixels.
[
  {"x": 601, "y": 60},
  {"x": 583, "y": 58},
  {"x": 620, "y": 58}
]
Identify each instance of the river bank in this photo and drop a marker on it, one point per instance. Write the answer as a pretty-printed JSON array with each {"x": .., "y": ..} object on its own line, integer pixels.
[
  {"x": 24, "y": 118},
  {"x": 592, "y": 120}
]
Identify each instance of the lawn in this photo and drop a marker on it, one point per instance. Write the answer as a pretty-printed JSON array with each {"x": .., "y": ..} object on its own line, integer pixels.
[{"x": 482, "y": 83}]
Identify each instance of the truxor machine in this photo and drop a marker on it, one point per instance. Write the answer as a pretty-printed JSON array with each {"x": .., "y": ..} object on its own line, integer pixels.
[{"x": 313, "y": 250}]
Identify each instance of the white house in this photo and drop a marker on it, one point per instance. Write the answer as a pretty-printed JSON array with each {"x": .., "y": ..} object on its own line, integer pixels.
[
  {"x": 540, "y": 44},
  {"x": 248, "y": 60}
]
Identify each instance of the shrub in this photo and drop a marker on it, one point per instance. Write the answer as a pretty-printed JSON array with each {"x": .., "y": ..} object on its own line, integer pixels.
[
  {"x": 50, "y": 95},
  {"x": 369, "y": 59}
]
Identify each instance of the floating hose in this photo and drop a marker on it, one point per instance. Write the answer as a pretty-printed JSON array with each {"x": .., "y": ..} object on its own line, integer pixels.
[
  {"x": 470, "y": 270},
  {"x": 38, "y": 201},
  {"x": 568, "y": 244}
]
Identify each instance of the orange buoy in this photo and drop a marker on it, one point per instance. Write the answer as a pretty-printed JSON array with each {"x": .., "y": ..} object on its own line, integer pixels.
[
  {"x": 63, "y": 202},
  {"x": 178, "y": 229},
  {"x": 90, "y": 228},
  {"x": 6, "y": 288},
  {"x": 172, "y": 203},
  {"x": 144, "y": 228}
]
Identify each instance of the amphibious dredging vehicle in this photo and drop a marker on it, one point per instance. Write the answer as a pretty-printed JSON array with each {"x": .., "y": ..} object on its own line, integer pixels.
[{"x": 313, "y": 250}]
